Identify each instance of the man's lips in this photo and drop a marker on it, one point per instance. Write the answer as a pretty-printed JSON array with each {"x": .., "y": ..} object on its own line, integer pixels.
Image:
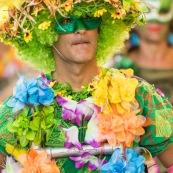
[{"x": 80, "y": 42}]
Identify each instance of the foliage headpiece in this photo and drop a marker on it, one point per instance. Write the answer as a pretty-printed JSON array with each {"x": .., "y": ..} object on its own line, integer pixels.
[{"x": 29, "y": 25}]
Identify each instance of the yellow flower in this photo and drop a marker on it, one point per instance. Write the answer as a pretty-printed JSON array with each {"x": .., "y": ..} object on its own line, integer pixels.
[
  {"x": 37, "y": 9},
  {"x": 44, "y": 25},
  {"x": 68, "y": 5},
  {"x": 27, "y": 36},
  {"x": 128, "y": 72},
  {"x": 52, "y": 84},
  {"x": 69, "y": 97},
  {"x": 14, "y": 151},
  {"x": 4, "y": 16},
  {"x": 60, "y": 93},
  {"x": 99, "y": 13},
  {"x": 119, "y": 14}
]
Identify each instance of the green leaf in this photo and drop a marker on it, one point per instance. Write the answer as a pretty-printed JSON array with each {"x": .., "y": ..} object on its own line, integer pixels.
[
  {"x": 30, "y": 135},
  {"x": 24, "y": 141},
  {"x": 126, "y": 4},
  {"x": 37, "y": 139},
  {"x": 48, "y": 109},
  {"x": 37, "y": 121},
  {"x": 33, "y": 126},
  {"x": 12, "y": 128}
]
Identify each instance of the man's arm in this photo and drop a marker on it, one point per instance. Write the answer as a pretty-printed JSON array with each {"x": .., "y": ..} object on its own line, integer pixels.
[
  {"x": 2, "y": 161},
  {"x": 166, "y": 157}
]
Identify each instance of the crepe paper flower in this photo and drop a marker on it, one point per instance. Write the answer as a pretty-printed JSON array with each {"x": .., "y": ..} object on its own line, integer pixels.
[
  {"x": 27, "y": 36},
  {"x": 71, "y": 137},
  {"x": 45, "y": 80},
  {"x": 30, "y": 92},
  {"x": 160, "y": 92},
  {"x": 111, "y": 129},
  {"x": 44, "y": 25},
  {"x": 93, "y": 162},
  {"x": 116, "y": 163},
  {"x": 11, "y": 166},
  {"x": 100, "y": 12},
  {"x": 126, "y": 162},
  {"x": 92, "y": 132},
  {"x": 37, "y": 162},
  {"x": 74, "y": 111},
  {"x": 134, "y": 163},
  {"x": 10, "y": 149},
  {"x": 133, "y": 127},
  {"x": 114, "y": 88}
]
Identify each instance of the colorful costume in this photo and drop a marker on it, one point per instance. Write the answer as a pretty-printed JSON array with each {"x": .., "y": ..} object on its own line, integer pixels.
[{"x": 112, "y": 111}]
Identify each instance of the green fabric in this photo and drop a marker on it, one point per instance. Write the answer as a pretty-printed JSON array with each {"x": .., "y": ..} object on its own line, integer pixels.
[
  {"x": 6, "y": 116},
  {"x": 152, "y": 106},
  {"x": 73, "y": 24}
]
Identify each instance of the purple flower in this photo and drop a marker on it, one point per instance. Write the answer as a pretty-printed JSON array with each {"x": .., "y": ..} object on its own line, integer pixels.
[
  {"x": 93, "y": 162},
  {"x": 31, "y": 92},
  {"x": 46, "y": 81},
  {"x": 74, "y": 111},
  {"x": 11, "y": 166},
  {"x": 71, "y": 137},
  {"x": 92, "y": 132}
]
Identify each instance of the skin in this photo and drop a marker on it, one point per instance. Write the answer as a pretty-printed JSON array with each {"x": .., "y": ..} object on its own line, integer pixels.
[
  {"x": 154, "y": 51},
  {"x": 78, "y": 66}
]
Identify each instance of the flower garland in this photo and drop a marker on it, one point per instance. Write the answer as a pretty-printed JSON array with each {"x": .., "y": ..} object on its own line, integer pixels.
[{"x": 107, "y": 104}]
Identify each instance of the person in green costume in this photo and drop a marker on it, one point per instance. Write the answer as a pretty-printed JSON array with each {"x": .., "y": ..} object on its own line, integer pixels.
[
  {"x": 86, "y": 118},
  {"x": 151, "y": 48}
]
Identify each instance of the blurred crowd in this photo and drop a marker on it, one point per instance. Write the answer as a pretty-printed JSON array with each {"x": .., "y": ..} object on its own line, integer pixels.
[{"x": 10, "y": 70}]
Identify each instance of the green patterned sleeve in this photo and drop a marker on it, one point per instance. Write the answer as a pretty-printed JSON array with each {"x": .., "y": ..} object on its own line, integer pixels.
[
  {"x": 6, "y": 116},
  {"x": 155, "y": 106}
]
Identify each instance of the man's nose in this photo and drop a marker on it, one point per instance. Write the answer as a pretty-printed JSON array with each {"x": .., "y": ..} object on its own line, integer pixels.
[{"x": 80, "y": 31}]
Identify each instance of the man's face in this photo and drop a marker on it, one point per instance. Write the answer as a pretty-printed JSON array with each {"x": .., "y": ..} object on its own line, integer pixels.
[{"x": 79, "y": 47}]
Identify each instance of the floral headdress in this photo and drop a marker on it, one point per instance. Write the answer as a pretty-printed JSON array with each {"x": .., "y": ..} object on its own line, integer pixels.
[{"x": 29, "y": 25}]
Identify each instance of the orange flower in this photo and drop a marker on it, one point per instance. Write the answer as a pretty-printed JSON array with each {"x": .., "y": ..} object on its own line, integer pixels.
[
  {"x": 133, "y": 126},
  {"x": 34, "y": 162},
  {"x": 116, "y": 128},
  {"x": 111, "y": 128}
]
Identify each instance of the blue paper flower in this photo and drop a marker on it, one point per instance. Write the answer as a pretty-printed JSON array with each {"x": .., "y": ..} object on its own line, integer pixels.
[
  {"x": 31, "y": 92},
  {"x": 124, "y": 163},
  {"x": 135, "y": 163},
  {"x": 116, "y": 163}
]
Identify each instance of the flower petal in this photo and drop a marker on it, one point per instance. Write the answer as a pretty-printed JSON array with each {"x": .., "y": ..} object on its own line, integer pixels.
[
  {"x": 92, "y": 132},
  {"x": 71, "y": 137}
]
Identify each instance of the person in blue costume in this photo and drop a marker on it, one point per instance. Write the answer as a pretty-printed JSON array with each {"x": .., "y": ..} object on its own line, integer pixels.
[
  {"x": 79, "y": 117},
  {"x": 150, "y": 48}
]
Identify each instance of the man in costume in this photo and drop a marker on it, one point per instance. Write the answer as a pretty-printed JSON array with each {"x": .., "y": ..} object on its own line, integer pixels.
[{"x": 86, "y": 118}]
